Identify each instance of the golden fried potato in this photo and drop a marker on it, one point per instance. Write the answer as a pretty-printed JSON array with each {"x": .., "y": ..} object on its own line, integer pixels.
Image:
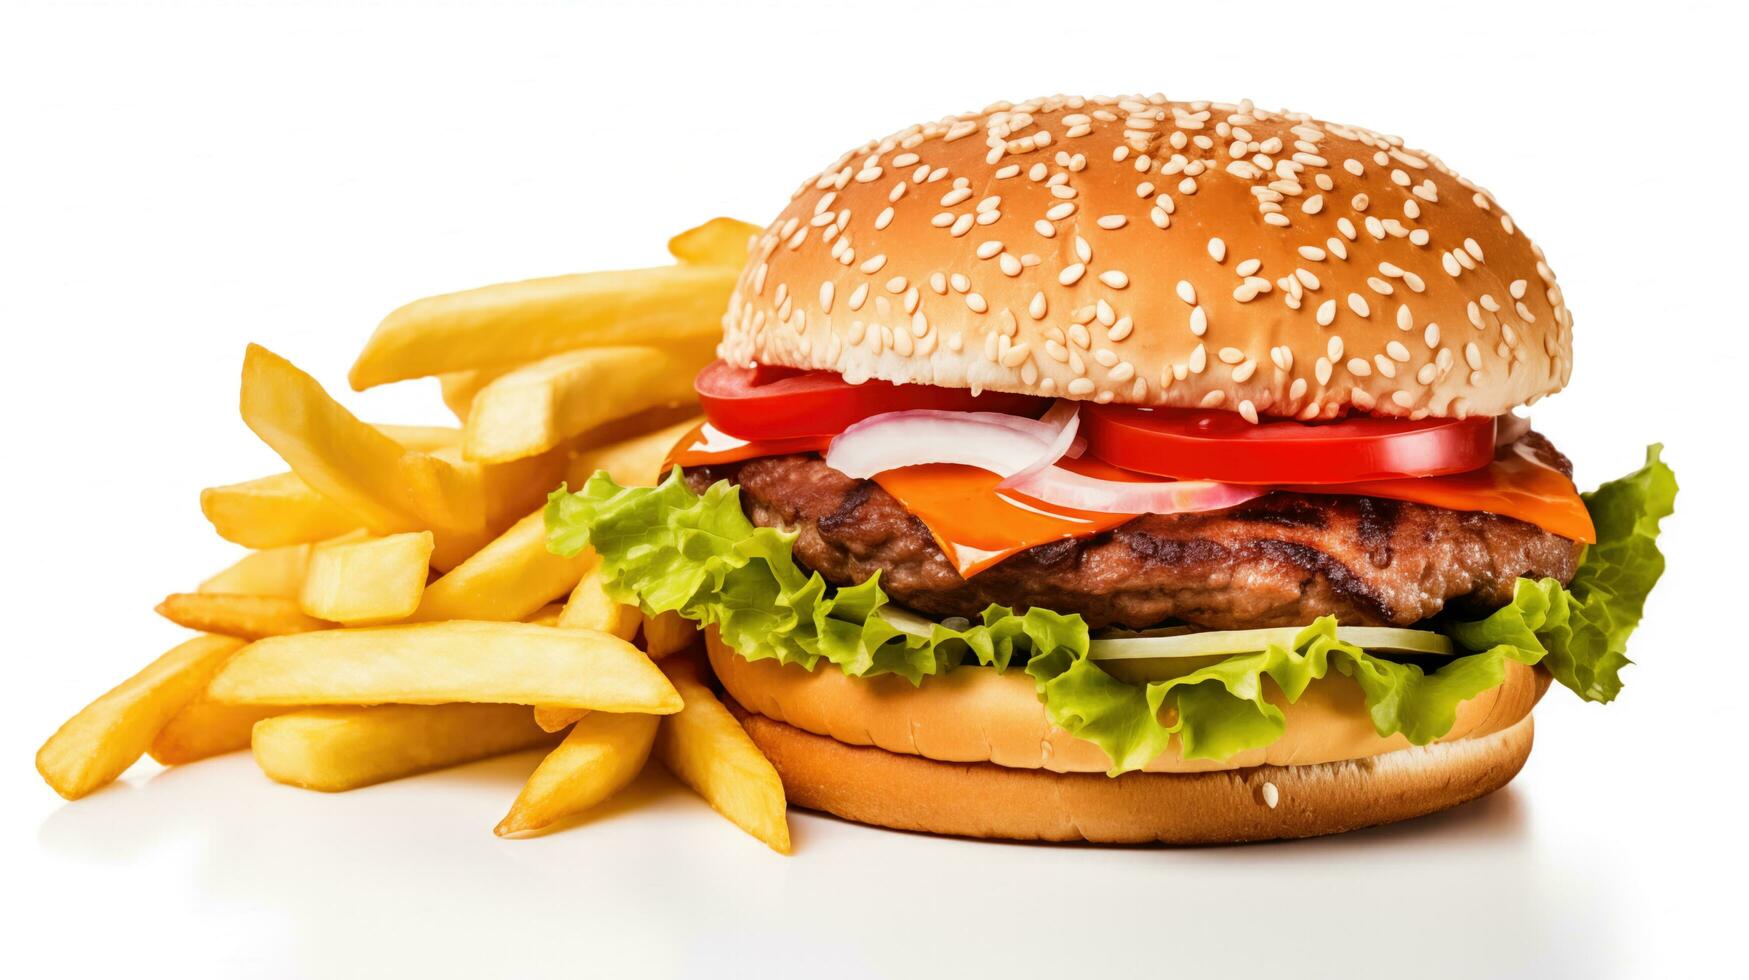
[
  {"x": 635, "y": 462},
  {"x": 360, "y": 583},
  {"x": 708, "y": 750},
  {"x": 669, "y": 633},
  {"x": 205, "y": 728},
  {"x": 437, "y": 663},
  {"x": 389, "y": 487},
  {"x": 335, "y": 749},
  {"x": 506, "y": 580},
  {"x": 270, "y": 572},
  {"x": 110, "y": 734},
  {"x": 248, "y": 617},
  {"x": 719, "y": 241},
  {"x": 274, "y": 511},
  {"x": 603, "y": 753},
  {"x": 520, "y": 322},
  {"x": 540, "y": 405}
]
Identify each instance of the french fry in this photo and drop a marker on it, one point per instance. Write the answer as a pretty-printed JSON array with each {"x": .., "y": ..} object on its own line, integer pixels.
[
  {"x": 708, "y": 750},
  {"x": 519, "y": 322},
  {"x": 547, "y": 615},
  {"x": 719, "y": 241},
  {"x": 282, "y": 509},
  {"x": 110, "y": 734},
  {"x": 635, "y": 462},
  {"x": 458, "y": 388},
  {"x": 536, "y": 407},
  {"x": 248, "y": 617},
  {"x": 271, "y": 572},
  {"x": 437, "y": 663},
  {"x": 336, "y": 749},
  {"x": 597, "y": 759},
  {"x": 589, "y": 608},
  {"x": 389, "y": 487},
  {"x": 274, "y": 511},
  {"x": 668, "y": 633},
  {"x": 377, "y": 580},
  {"x": 506, "y": 580},
  {"x": 423, "y": 438},
  {"x": 205, "y": 728},
  {"x": 552, "y": 718}
]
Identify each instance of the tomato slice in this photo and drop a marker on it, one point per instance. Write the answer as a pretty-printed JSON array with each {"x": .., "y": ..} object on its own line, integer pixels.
[
  {"x": 707, "y": 445},
  {"x": 1198, "y": 444},
  {"x": 762, "y": 403}
]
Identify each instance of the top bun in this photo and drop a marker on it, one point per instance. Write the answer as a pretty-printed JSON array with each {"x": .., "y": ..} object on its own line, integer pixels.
[{"x": 1151, "y": 252}]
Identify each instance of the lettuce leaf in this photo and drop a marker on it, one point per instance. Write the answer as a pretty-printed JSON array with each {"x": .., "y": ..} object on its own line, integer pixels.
[{"x": 666, "y": 548}]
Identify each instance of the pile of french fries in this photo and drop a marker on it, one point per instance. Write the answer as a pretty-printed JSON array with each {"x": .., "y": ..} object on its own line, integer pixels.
[{"x": 399, "y": 611}]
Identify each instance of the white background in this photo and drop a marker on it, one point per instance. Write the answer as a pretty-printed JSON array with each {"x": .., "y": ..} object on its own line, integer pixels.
[{"x": 177, "y": 180}]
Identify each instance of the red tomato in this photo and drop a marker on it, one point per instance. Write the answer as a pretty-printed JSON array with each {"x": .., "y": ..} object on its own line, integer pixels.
[
  {"x": 1196, "y": 444},
  {"x": 782, "y": 403}
]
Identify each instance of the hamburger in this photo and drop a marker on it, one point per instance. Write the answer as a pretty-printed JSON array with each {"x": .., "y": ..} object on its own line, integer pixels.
[{"x": 1125, "y": 469}]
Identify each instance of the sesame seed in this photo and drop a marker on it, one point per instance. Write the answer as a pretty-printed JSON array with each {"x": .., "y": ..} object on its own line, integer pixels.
[
  {"x": 1357, "y": 303},
  {"x": 872, "y": 264},
  {"x": 1121, "y": 329},
  {"x": 976, "y": 303},
  {"x": 1397, "y": 351},
  {"x": 1248, "y": 267},
  {"x": 1271, "y": 795},
  {"x": 1009, "y": 264},
  {"x": 961, "y": 225},
  {"x": 1081, "y": 386},
  {"x": 1071, "y": 274},
  {"x": 1199, "y": 321},
  {"x": 826, "y": 292},
  {"x": 1038, "y": 306},
  {"x": 1312, "y": 253},
  {"x": 989, "y": 249},
  {"x": 1359, "y": 367},
  {"x": 1187, "y": 292},
  {"x": 1083, "y": 251},
  {"x": 1217, "y": 251},
  {"x": 1326, "y": 313},
  {"x": 1114, "y": 279},
  {"x": 1231, "y": 355},
  {"x": 1112, "y": 222}
]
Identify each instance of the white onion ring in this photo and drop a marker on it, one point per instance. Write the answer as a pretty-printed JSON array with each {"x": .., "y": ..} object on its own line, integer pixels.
[
  {"x": 1001, "y": 444},
  {"x": 1065, "y": 417},
  {"x": 1066, "y": 488}
]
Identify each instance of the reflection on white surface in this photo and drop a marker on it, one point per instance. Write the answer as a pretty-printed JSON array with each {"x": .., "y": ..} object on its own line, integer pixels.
[{"x": 409, "y": 872}]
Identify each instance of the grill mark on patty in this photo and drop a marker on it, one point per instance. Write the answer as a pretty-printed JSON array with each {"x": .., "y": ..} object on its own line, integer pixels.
[
  {"x": 1156, "y": 550},
  {"x": 844, "y": 515},
  {"x": 1378, "y": 521},
  {"x": 1313, "y": 562},
  {"x": 1294, "y": 513}
]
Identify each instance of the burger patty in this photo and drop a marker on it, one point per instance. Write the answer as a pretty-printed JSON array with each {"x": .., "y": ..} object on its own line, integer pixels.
[{"x": 1282, "y": 559}]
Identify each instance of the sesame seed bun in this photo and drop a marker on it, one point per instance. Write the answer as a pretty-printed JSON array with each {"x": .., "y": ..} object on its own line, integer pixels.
[
  {"x": 1142, "y": 251},
  {"x": 971, "y": 753}
]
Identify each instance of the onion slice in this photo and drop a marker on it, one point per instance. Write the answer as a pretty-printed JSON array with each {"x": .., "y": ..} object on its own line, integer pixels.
[
  {"x": 1065, "y": 417},
  {"x": 1164, "y": 644},
  {"x": 1066, "y": 488},
  {"x": 1001, "y": 444}
]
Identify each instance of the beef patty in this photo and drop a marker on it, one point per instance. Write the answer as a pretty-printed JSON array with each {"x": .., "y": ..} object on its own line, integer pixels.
[{"x": 1280, "y": 560}]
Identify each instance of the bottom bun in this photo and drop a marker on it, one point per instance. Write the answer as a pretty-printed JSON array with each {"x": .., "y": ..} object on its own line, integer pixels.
[{"x": 907, "y": 792}]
